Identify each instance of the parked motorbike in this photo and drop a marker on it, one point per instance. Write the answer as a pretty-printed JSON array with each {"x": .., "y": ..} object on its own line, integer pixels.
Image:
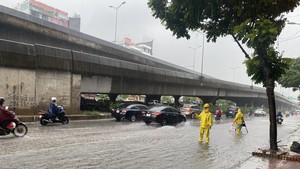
[
  {"x": 46, "y": 118},
  {"x": 279, "y": 120},
  {"x": 14, "y": 126}
]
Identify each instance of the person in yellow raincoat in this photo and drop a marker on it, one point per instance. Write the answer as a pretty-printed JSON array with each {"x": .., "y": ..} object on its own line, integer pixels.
[
  {"x": 206, "y": 120},
  {"x": 238, "y": 120}
]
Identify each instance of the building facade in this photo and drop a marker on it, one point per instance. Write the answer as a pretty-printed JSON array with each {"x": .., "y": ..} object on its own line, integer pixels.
[
  {"x": 48, "y": 13},
  {"x": 145, "y": 47}
]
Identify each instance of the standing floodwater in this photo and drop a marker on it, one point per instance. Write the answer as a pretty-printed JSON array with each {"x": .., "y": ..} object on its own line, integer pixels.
[{"x": 109, "y": 144}]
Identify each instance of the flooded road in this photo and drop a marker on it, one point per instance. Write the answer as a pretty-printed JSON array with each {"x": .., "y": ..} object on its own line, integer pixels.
[{"x": 109, "y": 144}]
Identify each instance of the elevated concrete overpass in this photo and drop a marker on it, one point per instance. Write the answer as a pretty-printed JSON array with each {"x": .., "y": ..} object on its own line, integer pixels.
[{"x": 39, "y": 60}]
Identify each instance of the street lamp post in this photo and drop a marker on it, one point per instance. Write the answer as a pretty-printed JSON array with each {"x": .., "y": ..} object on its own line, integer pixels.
[
  {"x": 202, "y": 54},
  {"x": 116, "y": 25},
  {"x": 195, "y": 48},
  {"x": 233, "y": 73},
  {"x": 202, "y": 58}
]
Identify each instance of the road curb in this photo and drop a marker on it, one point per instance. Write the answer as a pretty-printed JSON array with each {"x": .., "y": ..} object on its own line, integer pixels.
[
  {"x": 276, "y": 155},
  {"x": 71, "y": 117}
]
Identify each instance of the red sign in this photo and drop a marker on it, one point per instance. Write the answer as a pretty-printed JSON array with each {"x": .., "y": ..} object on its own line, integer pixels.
[{"x": 128, "y": 41}]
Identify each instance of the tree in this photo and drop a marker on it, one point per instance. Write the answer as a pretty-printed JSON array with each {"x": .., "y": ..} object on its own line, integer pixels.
[
  {"x": 225, "y": 104},
  {"x": 255, "y": 23},
  {"x": 292, "y": 76},
  {"x": 167, "y": 99}
]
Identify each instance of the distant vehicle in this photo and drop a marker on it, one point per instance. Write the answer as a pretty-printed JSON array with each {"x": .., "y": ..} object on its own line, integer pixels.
[
  {"x": 46, "y": 118},
  {"x": 279, "y": 120},
  {"x": 153, "y": 102},
  {"x": 131, "y": 112},
  {"x": 190, "y": 110},
  {"x": 296, "y": 112},
  {"x": 231, "y": 112},
  {"x": 164, "y": 115},
  {"x": 259, "y": 112}
]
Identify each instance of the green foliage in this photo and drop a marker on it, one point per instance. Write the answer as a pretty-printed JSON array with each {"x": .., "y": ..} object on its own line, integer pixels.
[
  {"x": 276, "y": 65},
  {"x": 224, "y": 104},
  {"x": 292, "y": 76},
  {"x": 103, "y": 97},
  {"x": 167, "y": 99},
  {"x": 123, "y": 97},
  {"x": 216, "y": 17}
]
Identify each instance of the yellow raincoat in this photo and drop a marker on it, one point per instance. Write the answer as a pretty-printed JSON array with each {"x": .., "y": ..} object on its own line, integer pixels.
[
  {"x": 238, "y": 120},
  {"x": 206, "y": 122}
]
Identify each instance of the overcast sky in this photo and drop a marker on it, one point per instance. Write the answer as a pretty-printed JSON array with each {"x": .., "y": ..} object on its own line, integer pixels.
[{"x": 223, "y": 60}]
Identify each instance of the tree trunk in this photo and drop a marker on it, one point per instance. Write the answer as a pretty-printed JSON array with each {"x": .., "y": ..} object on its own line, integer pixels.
[{"x": 272, "y": 112}]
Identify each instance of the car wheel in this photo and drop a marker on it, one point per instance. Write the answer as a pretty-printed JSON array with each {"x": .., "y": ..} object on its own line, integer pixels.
[
  {"x": 133, "y": 118},
  {"x": 118, "y": 119},
  {"x": 163, "y": 122},
  {"x": 183, "y": 119},
  {"x": 147, "y": 122}
]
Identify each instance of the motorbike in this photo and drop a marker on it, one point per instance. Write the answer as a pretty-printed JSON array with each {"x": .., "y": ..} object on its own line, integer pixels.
[
  {"x": 217, "y": 118},
  {"x": 14, "y": 126},
  {"x": 279, "y": 120},
  {"x": 46, "y": 118}
]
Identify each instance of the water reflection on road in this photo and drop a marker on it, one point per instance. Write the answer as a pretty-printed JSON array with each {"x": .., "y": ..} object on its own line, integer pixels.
[{"x": 108, "y": 144}]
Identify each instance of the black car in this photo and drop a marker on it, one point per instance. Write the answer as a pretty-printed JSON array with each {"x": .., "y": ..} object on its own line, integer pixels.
[
  {"x": 164, "y": 115},
  {"x": 131, "y": 112}
]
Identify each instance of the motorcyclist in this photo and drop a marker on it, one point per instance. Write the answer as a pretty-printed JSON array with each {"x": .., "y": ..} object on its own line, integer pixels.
[
  {"x": 279, "y": 115},
  {"x": 5, "y": 115},
  {"x": 53, "y": 109},
  {"x": 218, "y": 112}
]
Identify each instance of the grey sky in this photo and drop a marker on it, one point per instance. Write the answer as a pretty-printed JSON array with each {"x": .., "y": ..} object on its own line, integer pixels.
[{"x": 136, "y": 22}]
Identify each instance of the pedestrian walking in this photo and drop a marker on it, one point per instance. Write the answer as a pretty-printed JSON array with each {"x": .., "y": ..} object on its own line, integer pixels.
[
  {"x": 206, "y": 121},
  {"x": 238, "y": 121}
]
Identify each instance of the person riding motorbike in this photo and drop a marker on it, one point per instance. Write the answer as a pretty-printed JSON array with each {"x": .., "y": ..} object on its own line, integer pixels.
[
  {"x": 5, "y": 115},
  {"x": 279, "y": 117},
  {"x": 218, "y": 113},
  {"x": 53, "y": 109}
]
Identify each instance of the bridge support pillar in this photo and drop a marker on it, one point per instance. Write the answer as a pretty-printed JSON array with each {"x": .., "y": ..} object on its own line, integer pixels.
[
  {"x": 75, "y": 94},
  {"x": 176, "y": 101},
  {"x": 207, "y": 99},
  {"x": 113, "y": 97}
]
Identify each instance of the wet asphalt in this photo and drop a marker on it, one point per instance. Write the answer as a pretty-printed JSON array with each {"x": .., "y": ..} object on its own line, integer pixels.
[{"x": 109, "y": 144}]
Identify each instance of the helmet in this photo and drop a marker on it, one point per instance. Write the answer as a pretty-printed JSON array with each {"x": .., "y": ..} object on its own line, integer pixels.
[
  {"x": 2, "y": 100},
  {"x": 53, "y": 98},
  {"x": 206, "y": 105}
]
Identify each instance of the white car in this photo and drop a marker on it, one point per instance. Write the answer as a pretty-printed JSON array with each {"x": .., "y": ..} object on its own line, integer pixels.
[{"x": 260, "y": 112}]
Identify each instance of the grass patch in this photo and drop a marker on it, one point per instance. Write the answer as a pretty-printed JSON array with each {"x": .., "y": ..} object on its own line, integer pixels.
[{"x": 92, "y": 113}]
